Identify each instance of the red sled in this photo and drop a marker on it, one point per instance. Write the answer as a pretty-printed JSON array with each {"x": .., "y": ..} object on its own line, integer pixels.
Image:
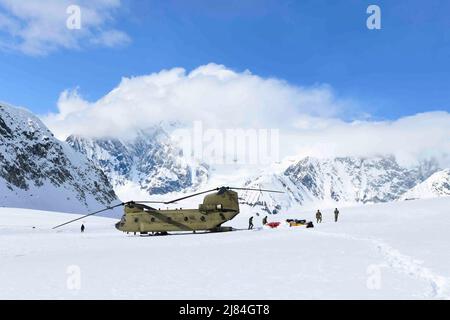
[{"x": 273, "y": 224}]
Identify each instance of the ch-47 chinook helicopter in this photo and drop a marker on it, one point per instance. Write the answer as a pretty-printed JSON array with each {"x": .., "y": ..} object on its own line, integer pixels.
[{"x": 216, "y": 209}]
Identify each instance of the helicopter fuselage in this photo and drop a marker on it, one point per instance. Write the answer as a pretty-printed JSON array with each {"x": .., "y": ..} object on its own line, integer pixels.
[
  {"x": 216, "y": 209},
  {"x": 144, "y": 221}
]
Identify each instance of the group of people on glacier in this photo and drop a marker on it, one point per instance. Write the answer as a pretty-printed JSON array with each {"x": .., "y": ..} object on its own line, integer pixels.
[{"x": 318, "y": 218}]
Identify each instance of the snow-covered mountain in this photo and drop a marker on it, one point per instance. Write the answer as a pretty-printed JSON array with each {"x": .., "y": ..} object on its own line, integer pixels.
[
  {"x": 437, "y": 185},
  {"x": 339, "y": 181},
  {"x": 354, "y": 179},
  {"x": 150, "y": 162},
  {"x": 147, "y": 162},
  {"x": 40, "y": 172}
]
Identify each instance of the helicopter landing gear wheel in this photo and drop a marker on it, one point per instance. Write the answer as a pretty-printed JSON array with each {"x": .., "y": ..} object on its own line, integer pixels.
[
  {"x": 162, "y": 233},
  {"x": 222, "y": 229}
]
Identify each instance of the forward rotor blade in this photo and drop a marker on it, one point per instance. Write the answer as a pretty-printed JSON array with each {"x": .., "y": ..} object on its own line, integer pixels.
[
  {"x": 91, "y": 214},
  {"x": 192, "y": 195},
  {"x": 252, "y": 189}
]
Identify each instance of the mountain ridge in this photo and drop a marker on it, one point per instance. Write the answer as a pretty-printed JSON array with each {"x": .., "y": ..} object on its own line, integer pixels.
[
  {"x": 38, "y": 171},
  {"x": 437, "y": 185},
  {"x": 148, "y": 161},
  {"x": 90, "y": 171},
  {"x": 314, "y": 182}
]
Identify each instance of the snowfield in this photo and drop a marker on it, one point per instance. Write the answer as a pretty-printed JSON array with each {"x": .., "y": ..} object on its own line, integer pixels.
[{"x": 396, "y": 250}]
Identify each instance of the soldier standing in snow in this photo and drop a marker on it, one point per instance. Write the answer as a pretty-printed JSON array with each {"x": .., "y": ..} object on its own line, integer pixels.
[
  {"x": 264, "y": 221},
  {"x": 336, "y": 214},
  {"x": 319, "y": 216},
  {"x": 82, "y": 228},
  {"x": 250, "y": 223}
]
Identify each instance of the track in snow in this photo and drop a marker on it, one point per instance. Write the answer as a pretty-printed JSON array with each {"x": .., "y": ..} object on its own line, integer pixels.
[{"x": 439, "y": 285}]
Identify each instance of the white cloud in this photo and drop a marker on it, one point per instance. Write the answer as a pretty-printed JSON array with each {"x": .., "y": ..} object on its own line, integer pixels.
[
  {"x": 411, "y": 138},
  {"x": 211, "y": 93},
  {"x": 111, "y": 38},
  {"x": 38, "y": 27},
  {"x": 309, "y": 119}
]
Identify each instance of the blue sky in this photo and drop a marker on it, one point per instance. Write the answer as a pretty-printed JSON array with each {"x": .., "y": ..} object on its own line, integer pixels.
[{"x": 402, "y": 69}]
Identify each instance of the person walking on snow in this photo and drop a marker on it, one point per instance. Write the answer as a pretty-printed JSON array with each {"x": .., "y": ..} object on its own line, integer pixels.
[
  {"x": 82, "y": 228},
  {"x": 336, "y": 214},
  {"x": 250, "y": 223},
  {"x": 319, "y": 216}
]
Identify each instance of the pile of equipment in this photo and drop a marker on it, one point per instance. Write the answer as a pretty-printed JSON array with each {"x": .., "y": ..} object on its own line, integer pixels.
[{"x": 299, "y": 223}]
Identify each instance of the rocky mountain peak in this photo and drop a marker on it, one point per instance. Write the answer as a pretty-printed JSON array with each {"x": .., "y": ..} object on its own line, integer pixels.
[
  {"x": 40, "y": 172},
  {"x": 148, "y": 160}
]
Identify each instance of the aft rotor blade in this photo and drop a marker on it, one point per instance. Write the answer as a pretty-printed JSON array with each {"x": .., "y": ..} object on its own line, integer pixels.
[
  {"x": 252, "y": 189},
  {"x": 91, "y": 214},
  {"x": 192, "y": 195}
]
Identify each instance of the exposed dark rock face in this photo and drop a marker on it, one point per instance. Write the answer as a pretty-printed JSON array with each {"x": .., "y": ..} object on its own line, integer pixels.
[
  {"x": 314, "y": 182},
  {"x": 357, "y": 179},
  {"x": 149, "y": 160},
  {"x": 35, "y": 167}
]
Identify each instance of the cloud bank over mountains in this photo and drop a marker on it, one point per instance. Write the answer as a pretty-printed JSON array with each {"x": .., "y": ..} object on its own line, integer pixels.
[{"x": 311, "y": 120}]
